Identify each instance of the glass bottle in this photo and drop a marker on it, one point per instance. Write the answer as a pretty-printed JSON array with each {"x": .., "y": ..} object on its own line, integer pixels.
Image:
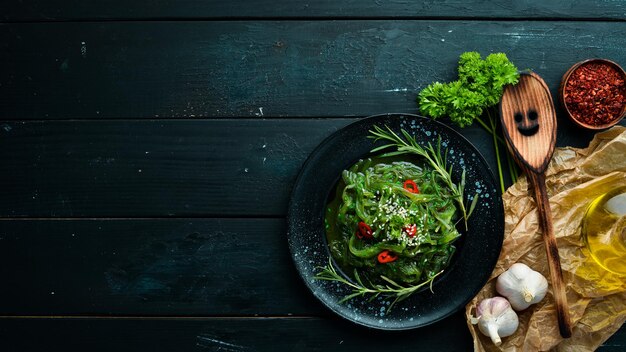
[{"x": 604, "y": 230}]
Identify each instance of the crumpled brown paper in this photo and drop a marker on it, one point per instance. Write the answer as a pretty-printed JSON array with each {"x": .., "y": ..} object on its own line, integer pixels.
[{"x": 596, "y": 298}]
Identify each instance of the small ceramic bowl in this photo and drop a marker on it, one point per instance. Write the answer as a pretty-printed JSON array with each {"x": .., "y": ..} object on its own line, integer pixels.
[{"x": 566, "y": 78}]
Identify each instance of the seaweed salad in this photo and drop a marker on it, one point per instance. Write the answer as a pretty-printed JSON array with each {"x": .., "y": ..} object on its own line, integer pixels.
[
  {"x": 393, "y": 219},
  {"x": 392, "y": 222}
]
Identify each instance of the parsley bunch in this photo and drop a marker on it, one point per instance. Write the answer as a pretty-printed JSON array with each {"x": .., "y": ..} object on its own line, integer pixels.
[{"x": 479, "y": 88}]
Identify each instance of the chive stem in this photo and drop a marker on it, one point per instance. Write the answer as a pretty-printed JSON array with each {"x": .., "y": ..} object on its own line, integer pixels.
[
  {"x": 489, "y": 129},
  {"x": 497, "y": 150}
]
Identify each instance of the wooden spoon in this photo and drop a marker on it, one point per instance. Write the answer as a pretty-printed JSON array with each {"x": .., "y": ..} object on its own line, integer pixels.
[{"x": 529, "y": 124}]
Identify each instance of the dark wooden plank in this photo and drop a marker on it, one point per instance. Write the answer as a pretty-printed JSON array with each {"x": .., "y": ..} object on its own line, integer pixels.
[
  {"x": 194, "y": 267},
  {"x": 150, "y": 267},
  {"x": 32, "y": 10},
  {"x": 615, "y": 343},
  {"x": 266, "y": 68},
  {"x": 154, "y": 168},
  {"x": 235, "y": 335},
  {"x": 151, "y": 168}
]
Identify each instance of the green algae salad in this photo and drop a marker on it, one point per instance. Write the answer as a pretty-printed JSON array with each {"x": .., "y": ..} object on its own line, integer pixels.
[
  {"x": 392, "y": 222},
  {"x": 393, "y": 219}
]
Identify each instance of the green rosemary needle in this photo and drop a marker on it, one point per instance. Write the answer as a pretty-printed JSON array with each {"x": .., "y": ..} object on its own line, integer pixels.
[
  {"x": 392, "y": 289},
  {"x": 433, "y": 155}
]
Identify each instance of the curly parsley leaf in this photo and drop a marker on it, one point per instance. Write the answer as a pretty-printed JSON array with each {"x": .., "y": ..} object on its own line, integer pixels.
[{"x": 480, "y": 86}]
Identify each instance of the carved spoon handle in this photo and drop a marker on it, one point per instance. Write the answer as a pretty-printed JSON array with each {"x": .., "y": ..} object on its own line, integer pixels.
[{"x": 538, "y": 181}]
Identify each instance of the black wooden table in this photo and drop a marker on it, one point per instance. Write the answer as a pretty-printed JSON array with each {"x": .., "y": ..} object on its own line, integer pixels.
[{"x": 148, "y": 148}]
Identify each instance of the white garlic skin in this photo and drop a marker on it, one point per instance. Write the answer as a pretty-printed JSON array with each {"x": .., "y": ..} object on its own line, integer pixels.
[
  {"x": 522, "y": 286},
  {"x": 496, "y": 319}
]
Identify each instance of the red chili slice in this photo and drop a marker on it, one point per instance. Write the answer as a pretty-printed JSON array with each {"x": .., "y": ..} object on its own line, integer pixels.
[
  {"x": 411, "y": 186},
  {"x": 365, "y": 231},
  {"x": 386, "y": 257},
  {"x": 410, "y": 230}
]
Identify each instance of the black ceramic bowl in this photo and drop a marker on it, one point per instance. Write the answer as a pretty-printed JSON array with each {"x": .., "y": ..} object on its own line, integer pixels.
[{"x": 477, "y": 249}]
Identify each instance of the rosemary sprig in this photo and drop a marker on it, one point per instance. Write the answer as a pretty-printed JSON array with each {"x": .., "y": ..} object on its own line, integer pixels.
[
  {"x": 391, "y": 289},
  {"x": 433, "y": 155}
]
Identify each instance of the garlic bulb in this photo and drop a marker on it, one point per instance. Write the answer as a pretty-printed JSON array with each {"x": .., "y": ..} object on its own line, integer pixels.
[
  {"x": 522, "y": 286},
  {"x": 496, "y": 319}
]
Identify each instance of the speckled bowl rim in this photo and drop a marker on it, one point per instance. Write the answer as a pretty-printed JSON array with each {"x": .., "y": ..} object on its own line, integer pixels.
[{"x": 300, "y": 212}]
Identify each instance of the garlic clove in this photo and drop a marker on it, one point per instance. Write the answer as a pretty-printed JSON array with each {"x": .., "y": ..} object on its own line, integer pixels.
[
  {"x": 522, "y": 286},
  {"x": 496, "y": 319}
]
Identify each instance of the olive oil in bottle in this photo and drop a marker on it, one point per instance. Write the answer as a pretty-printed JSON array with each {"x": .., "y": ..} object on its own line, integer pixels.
[{"x": 604, "y": 230}]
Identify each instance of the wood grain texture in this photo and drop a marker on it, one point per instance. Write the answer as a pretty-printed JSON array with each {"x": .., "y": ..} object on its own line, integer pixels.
[
  {"x": 538, "y": 183},
  {"x": 529, "y": 121},
  {"x": 154, "y": 168},
  {"x": 144, "y": 164},
  {"x": 237, "y": 335},
  {"x": 180, "y": 267},
  {"x": 227, "y": 335},
  {"x": 530, "y": 128},
  {"x": 171, "y": 168},
  {"x": 33, "y": 10},
  {"x": 151, "y": 168},
  {"x": 266, "y": 68}
]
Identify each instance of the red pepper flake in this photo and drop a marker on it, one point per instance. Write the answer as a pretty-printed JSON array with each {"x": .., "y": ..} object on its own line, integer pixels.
[
  {"x": 410, "y": 230},
  {"x": 386, "y": 257},
  {"x": 364, "y": 231},
  {"x": 595, "y": 94},
  {"x": 411, "y": 186}
]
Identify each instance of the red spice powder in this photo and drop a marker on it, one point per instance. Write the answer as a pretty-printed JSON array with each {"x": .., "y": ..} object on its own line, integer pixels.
[{"x": 595, "y": 93}]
